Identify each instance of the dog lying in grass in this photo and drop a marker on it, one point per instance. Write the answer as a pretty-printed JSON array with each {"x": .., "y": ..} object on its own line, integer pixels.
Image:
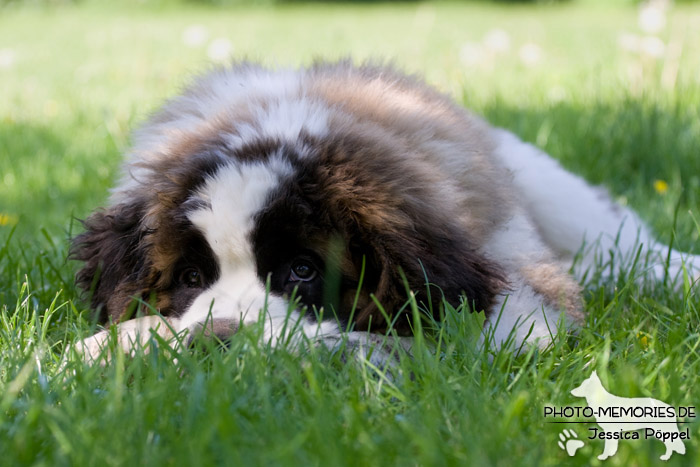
[{"x": 318, "y": 199}]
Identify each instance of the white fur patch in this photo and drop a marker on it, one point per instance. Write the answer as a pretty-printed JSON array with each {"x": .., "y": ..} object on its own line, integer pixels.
[
  {"x": 565, "y": 208},
  {"x": 284, "y": 119},
  {"x": 521, "y": 315}
]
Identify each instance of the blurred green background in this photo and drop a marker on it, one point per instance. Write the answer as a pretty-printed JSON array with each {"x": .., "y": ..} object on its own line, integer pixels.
[{"x": 610, "y": 88}]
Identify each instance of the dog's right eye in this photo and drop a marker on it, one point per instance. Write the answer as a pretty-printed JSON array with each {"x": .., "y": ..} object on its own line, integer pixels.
[
  {"x": 191, "y": 277},
  {"x": 302, "y": 271}
]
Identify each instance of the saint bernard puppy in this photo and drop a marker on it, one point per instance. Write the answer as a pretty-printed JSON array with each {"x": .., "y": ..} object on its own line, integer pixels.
[{"x": 317, "y": 199}]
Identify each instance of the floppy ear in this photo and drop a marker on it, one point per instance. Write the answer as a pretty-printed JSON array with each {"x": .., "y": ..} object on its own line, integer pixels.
[
  {"x": 434, "y": 260},
  {"x": 115, "y": 265}
]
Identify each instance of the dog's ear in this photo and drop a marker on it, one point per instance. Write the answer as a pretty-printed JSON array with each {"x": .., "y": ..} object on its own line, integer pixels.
[
  {"x": 431, "y": 257},
  {"x": 113, "y": 250}
]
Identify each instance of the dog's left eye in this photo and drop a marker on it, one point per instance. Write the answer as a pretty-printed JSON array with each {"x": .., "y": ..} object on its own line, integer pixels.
[
  {"x": 302, "y": 271},
  {"x": 191, "y": 277}
]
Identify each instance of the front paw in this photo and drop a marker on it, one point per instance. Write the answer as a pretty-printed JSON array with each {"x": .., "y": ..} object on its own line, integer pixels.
[
  {"x": 130, "y": 336},
  {"x": 92, "y": 348}
]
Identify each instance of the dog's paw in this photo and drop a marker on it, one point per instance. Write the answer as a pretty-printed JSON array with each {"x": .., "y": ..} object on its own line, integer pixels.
[
  {"x": 92, "y": 348},
  {"x": 569, "y": 442},
  {"x": 130, "y": 336}
]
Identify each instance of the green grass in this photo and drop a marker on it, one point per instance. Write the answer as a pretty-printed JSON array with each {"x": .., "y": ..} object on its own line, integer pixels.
[{"x": 81, "y": 78}]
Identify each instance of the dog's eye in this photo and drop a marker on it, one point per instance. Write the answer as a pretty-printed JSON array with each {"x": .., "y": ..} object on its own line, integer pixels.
[
  {"x": 191, "y": 277},
  {"x": 302, "y": 271}
]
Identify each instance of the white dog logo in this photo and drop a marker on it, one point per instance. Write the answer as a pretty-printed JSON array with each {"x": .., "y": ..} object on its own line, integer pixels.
[{"x": 646, "y": 413}]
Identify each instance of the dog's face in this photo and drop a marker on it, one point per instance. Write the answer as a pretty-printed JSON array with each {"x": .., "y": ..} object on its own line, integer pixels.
[
  {"x": 222, "y": 214},
  {"x": 592, "y": 383}
]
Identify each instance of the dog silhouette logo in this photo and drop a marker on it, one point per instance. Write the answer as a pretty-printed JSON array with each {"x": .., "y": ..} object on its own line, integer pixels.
[{"x": 621, "y": 417}]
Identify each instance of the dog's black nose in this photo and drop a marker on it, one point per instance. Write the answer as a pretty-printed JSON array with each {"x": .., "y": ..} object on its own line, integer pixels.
[{"x": 220, "y": 330}]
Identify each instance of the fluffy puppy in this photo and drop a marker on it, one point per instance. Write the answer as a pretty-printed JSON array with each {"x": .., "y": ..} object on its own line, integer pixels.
[{"x": 314, "y": 198}]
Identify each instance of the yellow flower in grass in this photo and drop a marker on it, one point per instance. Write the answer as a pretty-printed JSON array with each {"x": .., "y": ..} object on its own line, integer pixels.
[
  {"x": 660, "y": 186},
  {"x": 7, "y": 219},
  {"x": 643, "y": 340}
]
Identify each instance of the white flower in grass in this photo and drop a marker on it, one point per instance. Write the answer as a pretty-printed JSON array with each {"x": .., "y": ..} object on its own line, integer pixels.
[
  {"x": 652, "y": 16},
  {"x": 195, "y": 35},
  {"x": 220, "y": 50},
  {"x": 7, "y": 58},
  {"x": 530, "y": 54},
  {"x": 650, "y": 46},
  {"x": 472, "y": 54},
  {"x": 497, "y": 41}
]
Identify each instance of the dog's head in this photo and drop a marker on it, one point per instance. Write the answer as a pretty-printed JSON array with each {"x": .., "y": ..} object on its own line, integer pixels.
[
  {"x": 589, "y": 386},
  {"x": 233, "y": 207}
]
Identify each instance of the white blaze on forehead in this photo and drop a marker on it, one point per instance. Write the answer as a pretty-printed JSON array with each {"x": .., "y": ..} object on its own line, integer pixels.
[{"x": 233, "y": 196}]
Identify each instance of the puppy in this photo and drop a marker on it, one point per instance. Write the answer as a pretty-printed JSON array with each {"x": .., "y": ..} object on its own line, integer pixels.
[{"x": 315, "y": 199}]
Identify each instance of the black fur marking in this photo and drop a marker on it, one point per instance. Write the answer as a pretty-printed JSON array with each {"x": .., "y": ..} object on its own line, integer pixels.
[
  {"x": 195, "y": 254},
  {"x": 345, "y": 192}
]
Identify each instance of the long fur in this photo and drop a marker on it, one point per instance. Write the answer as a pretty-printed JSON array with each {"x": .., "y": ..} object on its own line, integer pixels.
[{"x": 356, "y": 172}]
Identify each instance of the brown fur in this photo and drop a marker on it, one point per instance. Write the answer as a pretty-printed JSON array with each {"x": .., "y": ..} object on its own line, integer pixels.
[
  {"x": 437, "y": 136},
  {"x": 558, "y": 288},
  {"x": 404, "y": 178}
]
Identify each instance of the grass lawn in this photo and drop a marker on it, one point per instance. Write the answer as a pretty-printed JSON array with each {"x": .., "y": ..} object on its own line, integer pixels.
[{"x": 578, "y": 81}]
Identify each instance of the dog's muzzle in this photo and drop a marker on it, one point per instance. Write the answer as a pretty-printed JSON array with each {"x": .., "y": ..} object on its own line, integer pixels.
[{"x": 220, "y": 330}]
